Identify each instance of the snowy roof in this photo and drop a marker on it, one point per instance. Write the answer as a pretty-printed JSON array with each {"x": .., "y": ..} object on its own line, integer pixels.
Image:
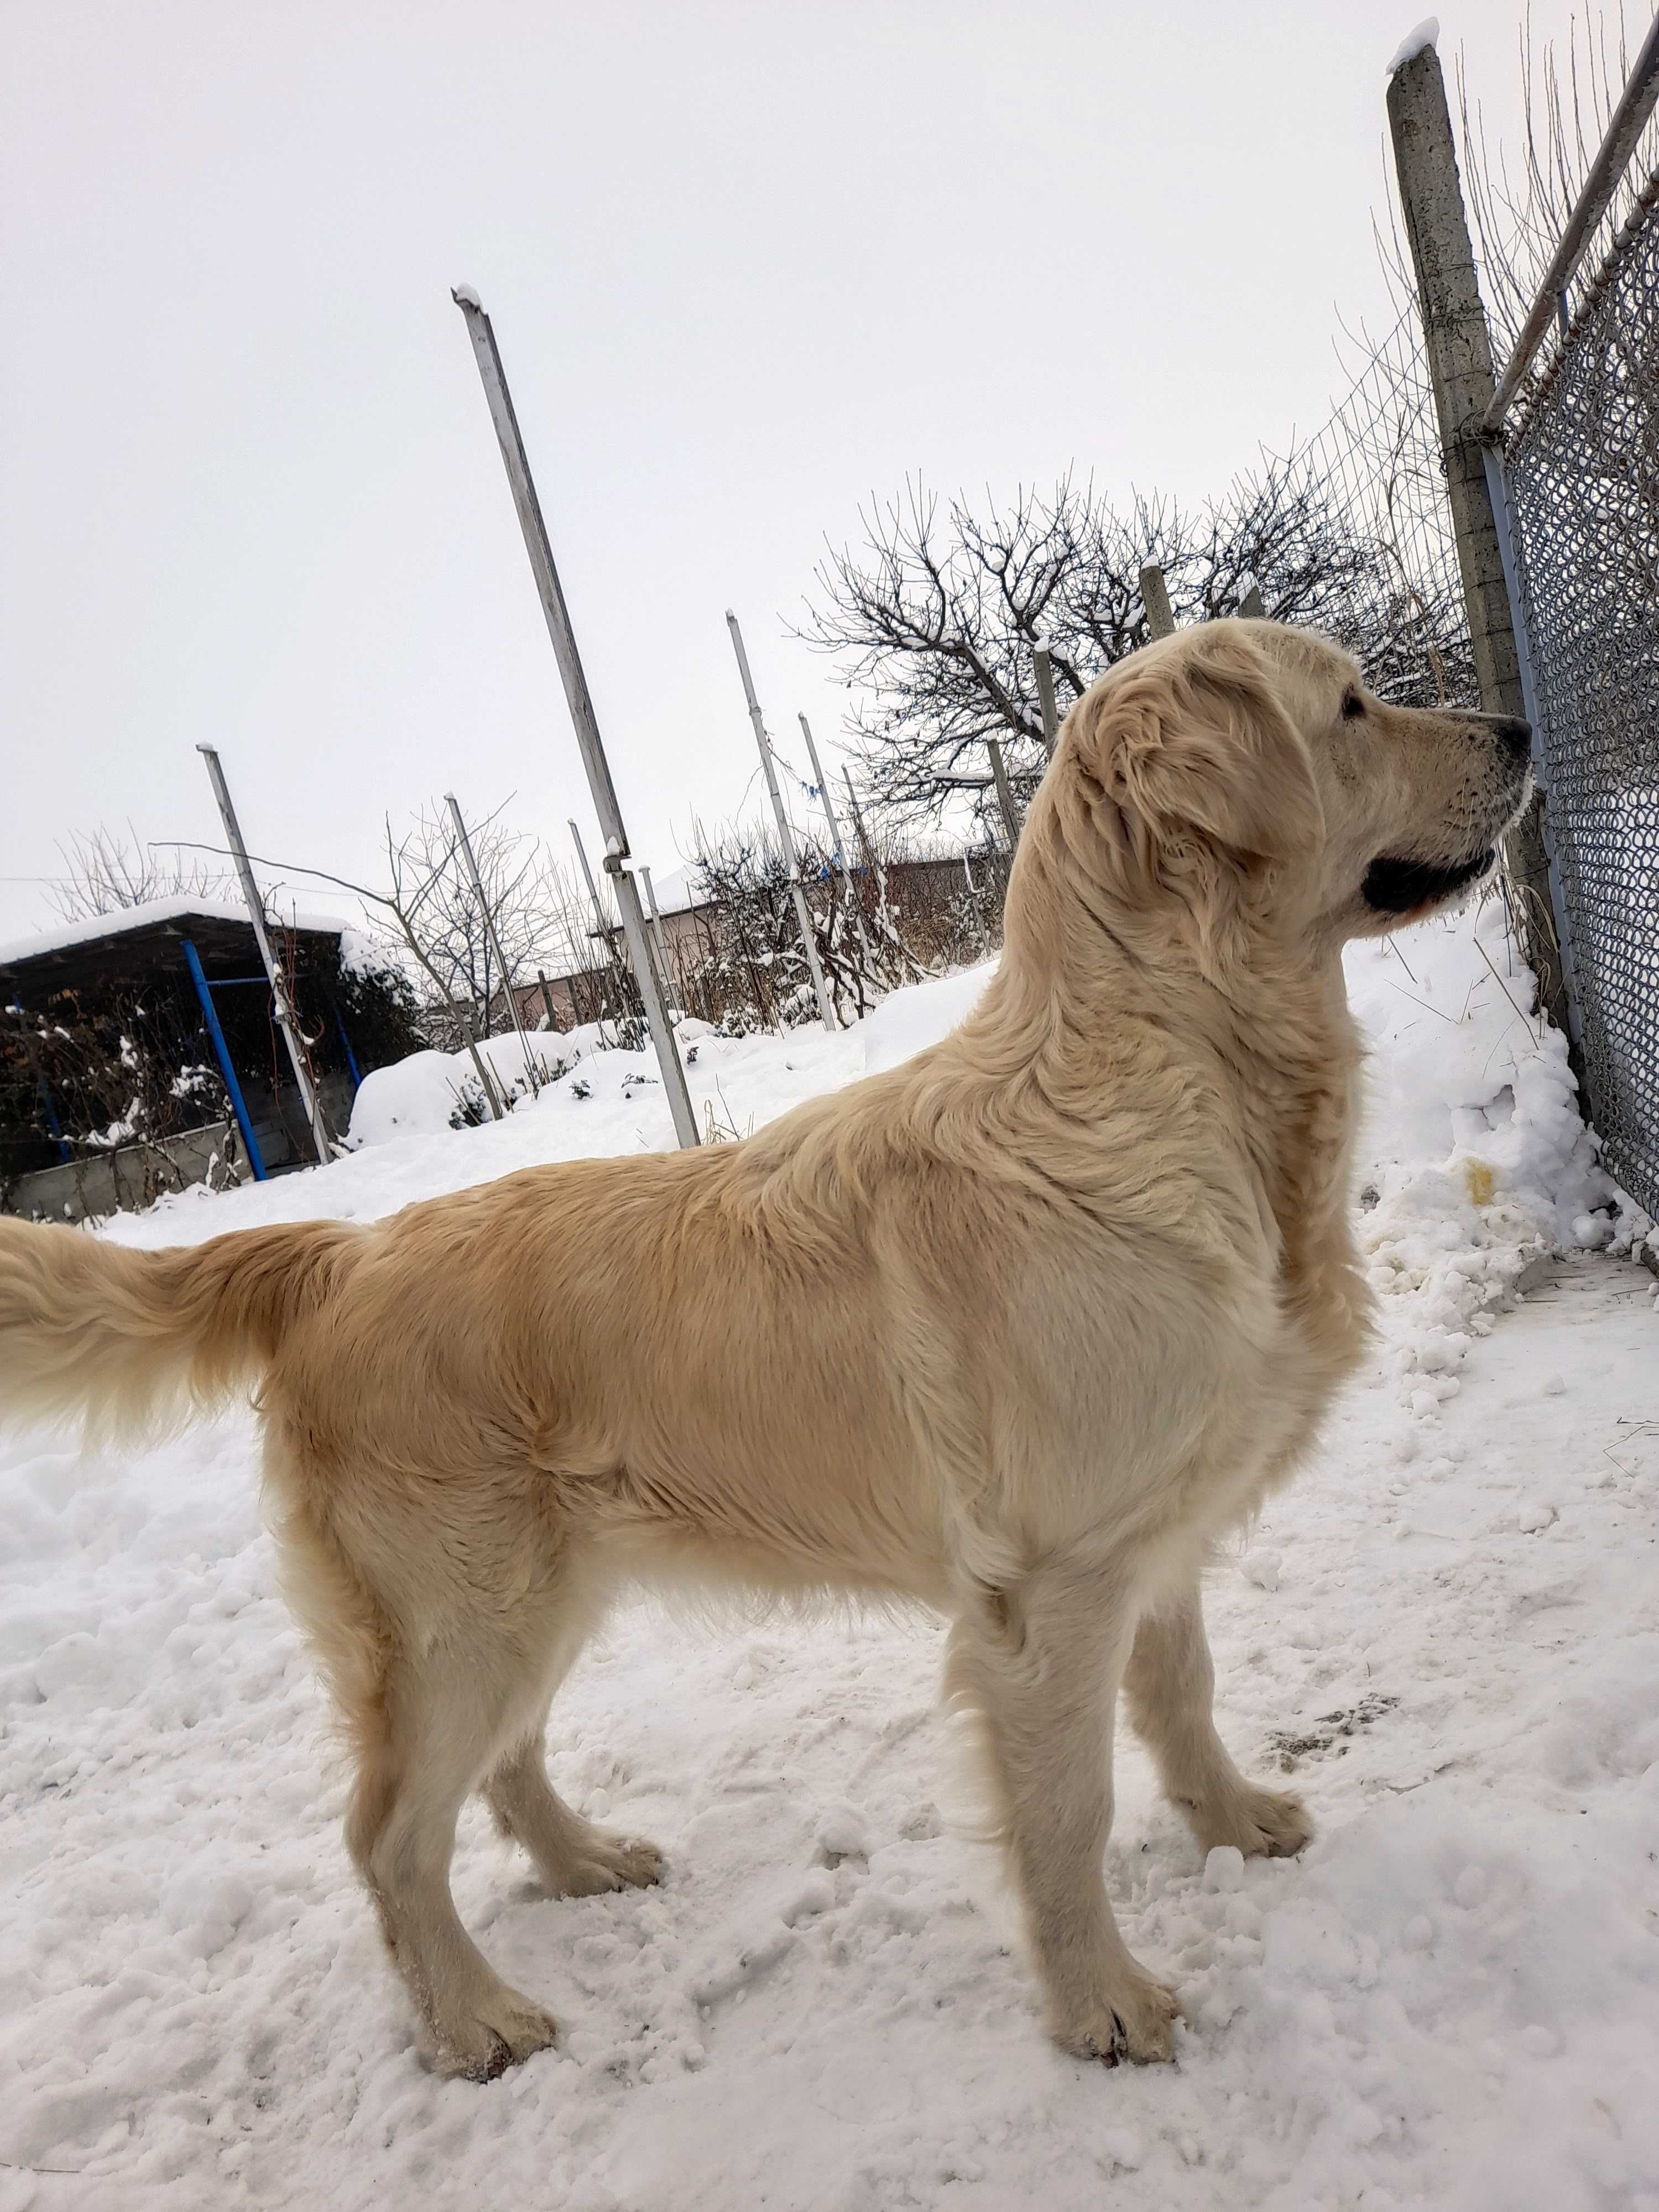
[{"x": 155, "y": 915}]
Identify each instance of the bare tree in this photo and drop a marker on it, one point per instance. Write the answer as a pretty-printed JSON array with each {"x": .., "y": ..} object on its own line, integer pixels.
[
  {"x": 107, "y": 875},
  {"x": 935, "y": 618}
]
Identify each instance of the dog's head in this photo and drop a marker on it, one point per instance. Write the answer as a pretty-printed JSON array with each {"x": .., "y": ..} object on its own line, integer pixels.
[{"x": 1243, "y": 771}]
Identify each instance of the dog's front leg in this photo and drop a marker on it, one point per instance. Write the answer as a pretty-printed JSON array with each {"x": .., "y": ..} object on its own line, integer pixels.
[{"x": 1040, "y": 1658}]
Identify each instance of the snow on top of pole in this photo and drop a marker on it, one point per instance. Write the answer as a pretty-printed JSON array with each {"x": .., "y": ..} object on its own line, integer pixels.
[
  {"x": 465, "y": 296},
  {"x": 1426, "y": 34}
]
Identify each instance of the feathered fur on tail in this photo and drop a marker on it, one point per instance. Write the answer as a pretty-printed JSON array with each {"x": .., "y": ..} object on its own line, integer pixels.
[{"x": 123, "y": 1342}]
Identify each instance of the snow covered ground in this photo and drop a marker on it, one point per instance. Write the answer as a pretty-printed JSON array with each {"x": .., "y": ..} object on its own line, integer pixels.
[{"x": 1448, "y": 1632}]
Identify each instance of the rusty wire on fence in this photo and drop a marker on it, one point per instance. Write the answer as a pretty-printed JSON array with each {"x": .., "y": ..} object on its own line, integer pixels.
[{"x": 1376, "y": 469}]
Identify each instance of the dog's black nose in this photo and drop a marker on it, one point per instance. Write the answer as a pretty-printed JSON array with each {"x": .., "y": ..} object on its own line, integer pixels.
[{"x": 1511, "y": 730}]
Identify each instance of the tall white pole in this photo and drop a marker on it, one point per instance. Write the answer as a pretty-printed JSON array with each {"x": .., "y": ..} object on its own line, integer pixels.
[
  {"x": 494, "y": 939},
  {"x": 785, "y": 838},
  {"x": 822, "y": 782},
  {"x": 581, "y": 704},
  {"x": 287, "y": 1020}
]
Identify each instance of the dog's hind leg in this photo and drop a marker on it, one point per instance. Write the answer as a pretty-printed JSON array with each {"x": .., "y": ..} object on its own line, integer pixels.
[
  {"x": 1039, "y": 1659},
  {"x": 572, "y": 1858},
  {"x": 432, "y": 1691},
  {"x": 1169, "y": 1688},
  {"x": 572, "y": 1854},
  {"x": 445, "y": 1718}
]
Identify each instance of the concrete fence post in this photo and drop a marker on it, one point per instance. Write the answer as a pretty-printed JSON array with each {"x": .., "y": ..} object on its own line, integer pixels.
[
  {"x": 1459, "y": 350},
  {"x": 1155, "y": 597}
]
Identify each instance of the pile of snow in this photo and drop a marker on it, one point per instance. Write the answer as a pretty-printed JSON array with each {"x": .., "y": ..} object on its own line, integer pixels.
[
  {"x": 1474, "y": 1157},
  {"x": 425, "y": 1092},
  {"x": 1446, "y": 1634},
  {"x": 430, "y": 1091},
  {"x": 1418, "y": 40}
]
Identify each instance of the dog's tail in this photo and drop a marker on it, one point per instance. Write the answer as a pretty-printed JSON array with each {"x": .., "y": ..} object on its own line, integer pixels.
[{"x": 125, "y": 1343}]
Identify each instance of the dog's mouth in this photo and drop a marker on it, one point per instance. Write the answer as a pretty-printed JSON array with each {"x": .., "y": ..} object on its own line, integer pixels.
[{"x": 1403, "y": 886}]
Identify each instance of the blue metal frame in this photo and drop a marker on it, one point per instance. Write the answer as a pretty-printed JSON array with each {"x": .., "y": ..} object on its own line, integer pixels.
[
  {"x": 216, "y": 1035},
  {"x": 351, "y": 1057},
  {"x": 64, "y": 1151}
]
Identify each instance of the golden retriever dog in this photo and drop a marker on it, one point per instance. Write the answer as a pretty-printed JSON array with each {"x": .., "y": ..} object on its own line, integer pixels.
[{"x": 1014, "y": 1330}]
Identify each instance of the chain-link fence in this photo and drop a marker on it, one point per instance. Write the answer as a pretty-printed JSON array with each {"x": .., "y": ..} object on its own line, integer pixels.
[{"x": 1583, "y": 464}]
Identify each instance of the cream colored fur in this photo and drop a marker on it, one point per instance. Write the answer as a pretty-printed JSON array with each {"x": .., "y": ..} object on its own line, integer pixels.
[{"x": 1014, "y": 1330}]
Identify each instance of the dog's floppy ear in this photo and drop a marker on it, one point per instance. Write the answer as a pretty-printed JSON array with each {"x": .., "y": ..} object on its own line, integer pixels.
[{"x": 1190, "y": 746}]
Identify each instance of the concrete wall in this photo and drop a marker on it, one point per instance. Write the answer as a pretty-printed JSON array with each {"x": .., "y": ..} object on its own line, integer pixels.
[
  {"x": 129, "y": 1176},
  {"x": 121, "y": 1181}
]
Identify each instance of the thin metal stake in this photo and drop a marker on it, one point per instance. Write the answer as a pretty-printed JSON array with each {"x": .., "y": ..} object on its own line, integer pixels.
[
  {"x": 493, "y": 937},
  {"x": 581, "y": 704},
  {"x": 660, "y": 941},
  {"x": 287, "y": 1020},
  {"x": 909, "y": 964},
  {"x": 834, "y": 839},
  {"x": 601, "y": 925},
  {"x": 802, "y": 913},
  {"x": 603, "y": 930}
]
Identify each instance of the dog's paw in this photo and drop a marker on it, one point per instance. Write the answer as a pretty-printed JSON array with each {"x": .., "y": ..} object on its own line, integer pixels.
[
  {"x": 608, "y": 1862},
  {"x": 498, "y": 2033},
  {"x": 1136, "y": 2020},
  {"x": 1261, "y": 1823}
]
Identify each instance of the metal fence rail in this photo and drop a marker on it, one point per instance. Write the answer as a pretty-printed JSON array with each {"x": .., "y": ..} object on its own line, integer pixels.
[{"x": 1582, "y": 462}]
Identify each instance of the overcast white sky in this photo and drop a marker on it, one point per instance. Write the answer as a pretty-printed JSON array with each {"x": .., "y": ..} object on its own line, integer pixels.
[{"x": 747, "y": 265}]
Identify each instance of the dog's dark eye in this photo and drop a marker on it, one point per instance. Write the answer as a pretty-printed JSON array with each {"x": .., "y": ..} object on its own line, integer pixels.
[{"x": 1352, "y": 706}]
